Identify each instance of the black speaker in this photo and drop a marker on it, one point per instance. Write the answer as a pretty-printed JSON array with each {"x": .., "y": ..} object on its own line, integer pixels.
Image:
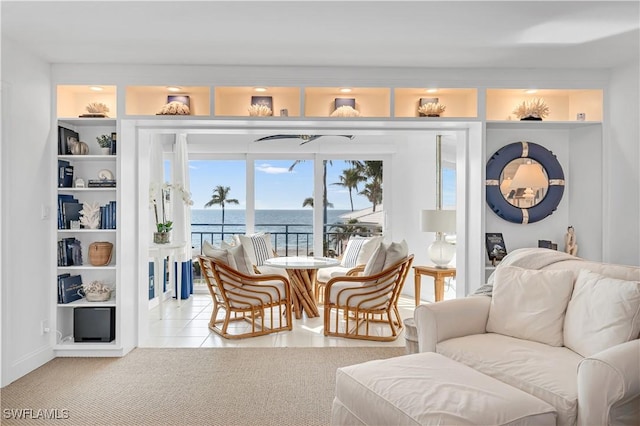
[{"x": 94, "y": 324}]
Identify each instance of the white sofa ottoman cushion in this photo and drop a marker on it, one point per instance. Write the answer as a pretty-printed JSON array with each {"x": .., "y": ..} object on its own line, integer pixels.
[
  {"x": 603, "y": 312},
  {"x": 530, "y": 304},
  {"x": 546, "y": 372},
  {"x": 429, "y": 389}
]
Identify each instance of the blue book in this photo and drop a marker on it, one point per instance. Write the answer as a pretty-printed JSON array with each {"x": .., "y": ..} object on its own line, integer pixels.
[
  {"x": 70, "y": 288},
  {"x": 71, "y": 211},
  {"x": 60, "y": 287},
  {"x": 61, "y": 166},
  {"x": 63, "y": 198}
]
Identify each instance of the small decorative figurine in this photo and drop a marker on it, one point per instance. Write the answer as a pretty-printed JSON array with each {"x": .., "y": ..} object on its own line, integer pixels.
[{"x": 570, "y": 245}]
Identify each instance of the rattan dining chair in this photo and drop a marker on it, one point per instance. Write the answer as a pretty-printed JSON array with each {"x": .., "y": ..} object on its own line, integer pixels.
[
  {"x": 352, "y": 304},
  {"x": 263, "y": 301}
]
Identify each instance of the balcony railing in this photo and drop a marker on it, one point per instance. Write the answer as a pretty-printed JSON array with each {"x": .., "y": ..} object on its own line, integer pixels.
[{"x": 287, "y": 239}]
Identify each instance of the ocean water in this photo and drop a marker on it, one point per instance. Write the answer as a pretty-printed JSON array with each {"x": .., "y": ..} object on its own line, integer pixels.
[{"x": 291, "y": 229}]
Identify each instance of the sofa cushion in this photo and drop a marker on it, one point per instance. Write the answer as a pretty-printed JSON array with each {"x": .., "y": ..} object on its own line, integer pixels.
[
  {"x": 272, "y": 270},
  {"x": 546, "y": 372},
  {"x": 429, "y": 389},
  {"x": 530, "y": 304},
  {"x": 325, "y": 274},
  {"x": 602, "y": 312}
]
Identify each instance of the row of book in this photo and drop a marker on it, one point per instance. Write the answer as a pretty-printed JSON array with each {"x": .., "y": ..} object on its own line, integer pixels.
[
  {"x": 69, "y": 288},
  {"x": 69, "y": 252},
  {"x": 65, "y": 174},
  {"x": 101, "y": 183},
  {"x": 69, "y": 211}
]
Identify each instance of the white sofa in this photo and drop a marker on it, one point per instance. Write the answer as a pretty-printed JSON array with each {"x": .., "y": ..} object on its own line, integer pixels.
[{"x": 575, "y": 347}]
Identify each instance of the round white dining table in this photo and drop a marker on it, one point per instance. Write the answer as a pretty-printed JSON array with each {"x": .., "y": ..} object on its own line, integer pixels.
[{"x": 302, "y": 274}]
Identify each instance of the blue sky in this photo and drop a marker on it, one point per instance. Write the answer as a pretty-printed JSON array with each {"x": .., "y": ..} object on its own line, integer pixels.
[{"x": 277, "y": 187}]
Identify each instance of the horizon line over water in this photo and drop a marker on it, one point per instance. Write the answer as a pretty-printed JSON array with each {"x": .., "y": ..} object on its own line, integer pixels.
[{"x": 292, "y": 228}]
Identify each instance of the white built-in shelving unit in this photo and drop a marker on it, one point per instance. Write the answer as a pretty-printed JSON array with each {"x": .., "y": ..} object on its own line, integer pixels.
[{"x": 561, "y": 132}]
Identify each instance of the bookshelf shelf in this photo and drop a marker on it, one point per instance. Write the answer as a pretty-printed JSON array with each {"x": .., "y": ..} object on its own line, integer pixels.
[{"x": 92, "y": 166}]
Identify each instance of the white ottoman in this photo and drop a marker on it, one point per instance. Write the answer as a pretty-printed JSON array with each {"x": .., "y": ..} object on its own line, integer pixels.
[{"x": 430, "y": 389}]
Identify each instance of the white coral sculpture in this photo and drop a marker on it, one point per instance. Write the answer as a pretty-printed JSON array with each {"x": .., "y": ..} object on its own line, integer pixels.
[
  {"x": 90, "y": 215},
  {"x": 536, "y": 108},
  {"x": 345, "y": 111},
  {"x": 175, "y": 108},
  {"x": 256, "y": 110},
  {"x": 96, "y": 286},
  {"x": 431, "y": 109},
  {"x": 97, "y": 108}
]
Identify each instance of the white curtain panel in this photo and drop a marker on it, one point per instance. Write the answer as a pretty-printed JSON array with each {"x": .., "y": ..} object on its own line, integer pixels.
[
  {"x": 181, "y": 210},
  {"x": 156, "y": 179}
]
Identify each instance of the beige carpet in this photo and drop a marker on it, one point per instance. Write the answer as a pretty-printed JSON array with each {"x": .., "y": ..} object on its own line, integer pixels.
[{"x": 218, "y": 386}]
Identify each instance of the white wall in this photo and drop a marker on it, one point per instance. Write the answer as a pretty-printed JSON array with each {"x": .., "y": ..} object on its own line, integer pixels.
[
  {"x": 27, "y": 285},
  {"x": 622, "y": 157},
  {"x": 27, "y": 159}
]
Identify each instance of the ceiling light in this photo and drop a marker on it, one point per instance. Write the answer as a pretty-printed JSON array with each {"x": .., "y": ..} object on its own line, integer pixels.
[
  {"x": 260, "y": 89},
  {"x": 431, "y": 90},
  {"x": 174, "y": 88},
  {"x": 531, "y": 91},
  {"x": 345, "y": 90},
  {"x": 96, "y": 88}
]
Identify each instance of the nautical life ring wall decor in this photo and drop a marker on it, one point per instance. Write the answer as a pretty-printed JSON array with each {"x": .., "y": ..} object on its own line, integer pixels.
[{"x": 494, "y": 178}]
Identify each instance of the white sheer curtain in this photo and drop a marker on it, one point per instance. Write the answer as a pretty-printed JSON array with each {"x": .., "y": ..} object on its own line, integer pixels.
[
  {"x": 181, "y": 210},
  {"x": 156, "y": 179}
]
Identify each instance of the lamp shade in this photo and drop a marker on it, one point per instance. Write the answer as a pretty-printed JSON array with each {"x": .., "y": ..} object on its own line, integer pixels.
[
  {"x": 529, "y": 175},
  {"x": 438, "y": 220}
]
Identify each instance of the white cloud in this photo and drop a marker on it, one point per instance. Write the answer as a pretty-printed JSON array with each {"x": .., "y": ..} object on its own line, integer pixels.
[{"x": 269, "y": 169}]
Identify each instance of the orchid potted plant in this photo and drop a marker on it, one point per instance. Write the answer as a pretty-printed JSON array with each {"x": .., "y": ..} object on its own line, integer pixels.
[{"x": 163, "y": 225}]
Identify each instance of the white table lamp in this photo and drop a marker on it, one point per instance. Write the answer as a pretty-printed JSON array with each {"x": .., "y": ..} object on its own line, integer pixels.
[{"x": 439, "y": 221}]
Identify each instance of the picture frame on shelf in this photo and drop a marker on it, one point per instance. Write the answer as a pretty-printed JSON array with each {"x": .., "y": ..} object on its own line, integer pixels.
[
  {"x": 179, "y": 98},
  {"x": 64, "y": 134},
  {"x": 338, "y": 102},
  {"x": 496, "y": 248},
  {"x": 263, "y": 100}
]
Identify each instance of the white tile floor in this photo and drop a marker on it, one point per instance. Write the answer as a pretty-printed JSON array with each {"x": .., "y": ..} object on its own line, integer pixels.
[{"x": 186, "y": 327}]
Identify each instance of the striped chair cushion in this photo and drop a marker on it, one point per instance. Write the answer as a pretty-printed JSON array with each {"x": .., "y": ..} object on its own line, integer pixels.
[
  {"x": 257, "y": 247},
  {"x": 350, "y": 256}
]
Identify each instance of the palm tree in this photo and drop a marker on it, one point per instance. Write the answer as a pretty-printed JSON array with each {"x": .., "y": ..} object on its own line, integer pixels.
[
  {"x": 373, "y": 192},
  {"x": 373, "y": 189},
  {"x": 308, "y": 202},
  {"x": 350, "y": 178},
  {"x": 220, "y": 196}
]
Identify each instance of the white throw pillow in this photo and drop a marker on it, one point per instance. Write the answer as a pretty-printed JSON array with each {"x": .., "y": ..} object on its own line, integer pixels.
[
  {"x": 221, "y": 255},
  {"x": 603, "y": 312},
  {"x": 367, "y": 250},
  {"x": 530, "y": 304},
  {"x": 352, "y": 251},
  {"x": 257, "y": 248},
  {"x": 376, "y": 262},
  {"x": 232, "y": 257},
  {"x": 395, "y": 253},
  {"x": 359, "y": 250}
]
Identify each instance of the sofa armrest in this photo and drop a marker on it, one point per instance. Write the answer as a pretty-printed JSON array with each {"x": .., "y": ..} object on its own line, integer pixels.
[
  {"x": 445, "y": 320},
  {"x": 609, "y": 386}
]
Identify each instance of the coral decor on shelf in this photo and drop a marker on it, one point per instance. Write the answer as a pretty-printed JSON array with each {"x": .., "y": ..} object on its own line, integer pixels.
[
  {"x": 431, "y": 109},
  {"x": 532, "y": 109},
  {"x": 345, "y": 111},
  {"x": 256, "y": 110}
]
